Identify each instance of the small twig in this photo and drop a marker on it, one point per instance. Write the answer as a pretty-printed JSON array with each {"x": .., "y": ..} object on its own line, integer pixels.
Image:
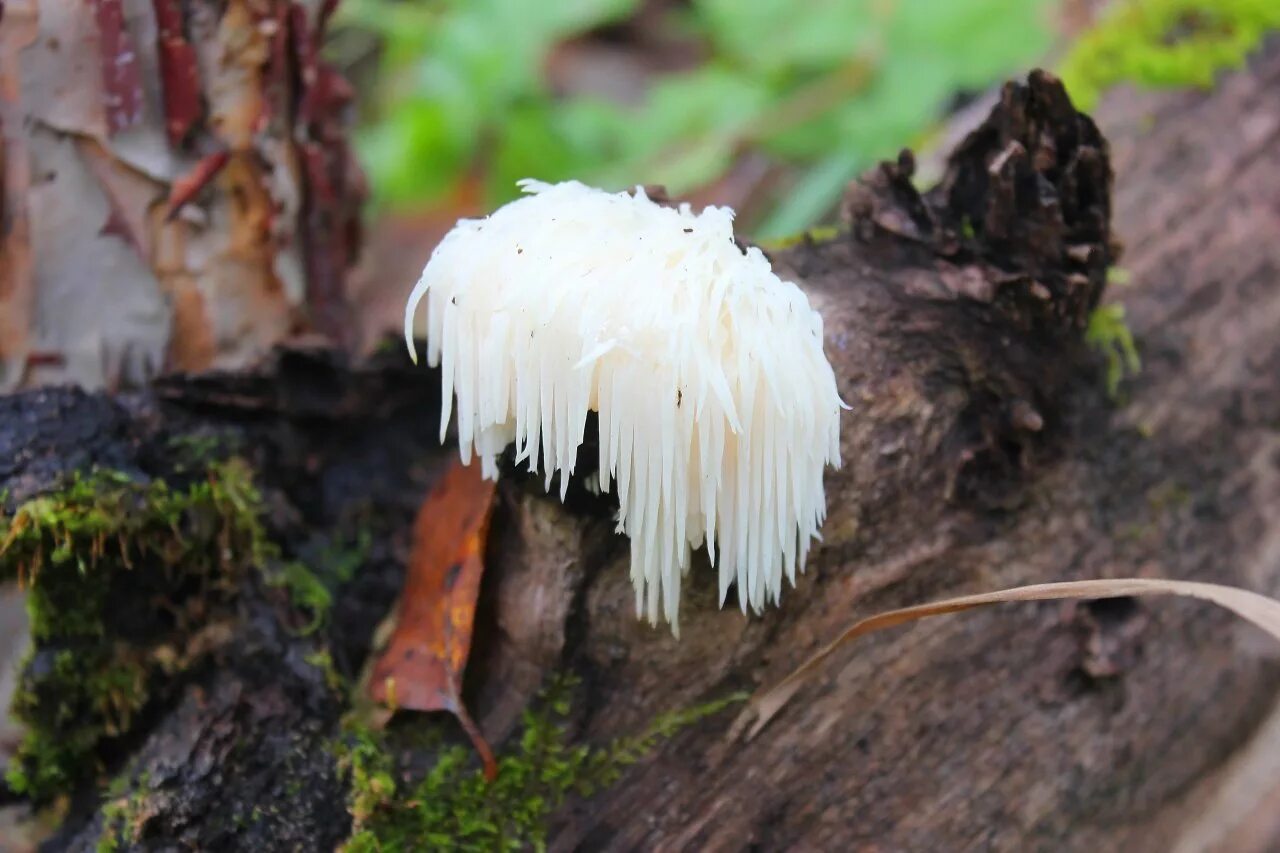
[{"x": 765, "y": 705}]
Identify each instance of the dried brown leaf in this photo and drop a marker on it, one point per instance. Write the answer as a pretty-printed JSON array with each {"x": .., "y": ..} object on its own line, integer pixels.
[
  {"x": 1258, "y": 609},
  {"x": 421, "y": 668}
]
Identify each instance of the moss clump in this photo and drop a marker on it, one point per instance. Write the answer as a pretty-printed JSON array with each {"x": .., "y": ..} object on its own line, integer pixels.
[
  {"x": 306, "y": 591},
  {"x": 454, "y": 808},
  {"x": 816, "y": 234},
  {"x": 70, "y": 705},
  {"x": 322, "y": 660},
  {"x": 58, "y": 544},
  {"x": 1108, "y": 334},
  {"x": 117, "y": 570},
  {"x": 1165, "y": 43},
  {"x": 311, "y": 591},
  {"x": 123, "y": 815},
  {"x": 195, "y": 451}
]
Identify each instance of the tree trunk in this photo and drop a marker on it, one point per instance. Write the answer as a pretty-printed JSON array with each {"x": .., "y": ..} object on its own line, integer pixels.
[
  {"x": 982, "y": 452},
  {"x": 177, "y": 193}
]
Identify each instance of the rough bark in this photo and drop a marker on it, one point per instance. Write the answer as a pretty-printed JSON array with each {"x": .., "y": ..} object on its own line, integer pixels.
[
  {"x": 982, "y": 452},
  {"x": 177, "y": 188},
  {"x": 1038, "y": 727}
]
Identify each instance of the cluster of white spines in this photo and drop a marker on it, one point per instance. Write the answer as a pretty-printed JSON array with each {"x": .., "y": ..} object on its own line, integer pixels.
[{"x": 717, "y": 408}]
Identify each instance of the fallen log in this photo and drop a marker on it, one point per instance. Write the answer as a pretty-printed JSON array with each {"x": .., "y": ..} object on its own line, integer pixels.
[{"x": 983, "y": 451}]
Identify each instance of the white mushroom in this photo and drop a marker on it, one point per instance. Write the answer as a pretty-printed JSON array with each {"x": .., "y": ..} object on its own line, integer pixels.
[{"x": 717, "y": 408}]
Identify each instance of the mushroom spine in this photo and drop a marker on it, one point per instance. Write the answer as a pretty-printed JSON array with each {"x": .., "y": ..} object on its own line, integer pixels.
[{"x": 717, "y": 408}]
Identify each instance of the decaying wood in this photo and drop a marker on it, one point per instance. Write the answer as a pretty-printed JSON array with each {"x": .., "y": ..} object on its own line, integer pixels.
[
  {"x": 989, "y": 730},
  {"x": 1050, "y": 727},
  {"x": 241, "y": 756},
  {"x": 982, "y": 452}
]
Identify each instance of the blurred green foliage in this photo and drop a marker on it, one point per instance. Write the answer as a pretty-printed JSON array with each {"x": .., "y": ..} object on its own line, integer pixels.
[
  {"x": 825, "y": 87},
  {"x": 1161, "y": 43}
]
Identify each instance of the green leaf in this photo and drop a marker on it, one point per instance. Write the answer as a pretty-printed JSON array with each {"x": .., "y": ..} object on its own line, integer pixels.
[
  {"x": 826, "y": 83},
  {"x": 418, "y": 154}
]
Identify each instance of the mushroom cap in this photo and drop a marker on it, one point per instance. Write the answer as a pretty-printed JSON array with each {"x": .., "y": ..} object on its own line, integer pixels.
[{"x": 717, "y": 407}]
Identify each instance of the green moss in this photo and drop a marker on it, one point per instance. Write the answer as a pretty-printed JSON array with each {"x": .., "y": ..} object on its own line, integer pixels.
[
  {"x": 115, "y": 568},
  {"x": 107, "y": 520},
  {"x": 1165, "y": 43},
  {"x": 306, "y": 591},
  {"x": 817, "y": 234},
  {"x": 1109, "y": 334},
  {"x": 120, "y": 573},
  {"x": 322, "y": 660},
  {"x": 96, "y": 683},
  {"x": 311, "y": 590},
  {"x": 454, "y": 808},
  {"x": 1118, "y": 277},
  {"x": 197, "y": 450},
  {"x": 123, "y": 816}
]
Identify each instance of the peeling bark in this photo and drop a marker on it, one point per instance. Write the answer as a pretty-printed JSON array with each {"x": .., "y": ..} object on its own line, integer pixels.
[
  {"x": 981, "y": 453},
  {"x": 174, "y": 218},
  {"x": 17, "y": 31}
]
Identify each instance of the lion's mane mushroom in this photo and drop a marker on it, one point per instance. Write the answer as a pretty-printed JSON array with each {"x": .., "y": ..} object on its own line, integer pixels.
[{"x": 717, "y": 408}]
